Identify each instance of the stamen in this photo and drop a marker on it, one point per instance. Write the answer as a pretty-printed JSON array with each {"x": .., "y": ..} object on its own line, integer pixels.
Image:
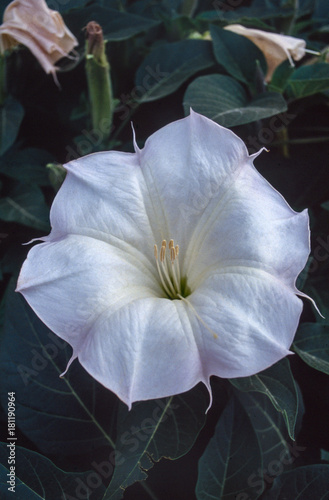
[
  {"x": 315, "y": 52},
  {"x": 177, "y": 266},
  {"x": 167, "y": 275},
  {"x": 170, "y": 277},
  {"x": 172, "y": 254},
  {"x": 163, "y": 283},
  {"x": 168, "y": 268},
  {"x": 162, "y": 253}
]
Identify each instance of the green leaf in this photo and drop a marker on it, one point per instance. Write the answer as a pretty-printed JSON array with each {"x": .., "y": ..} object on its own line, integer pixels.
[
  {"x": 57, "y": 174},
  {"x": 11, "y": 116},
  {"x": 27, "y": 165},
  {"x": 308, "y": 80},
  {"x": 167, "y": 67},
  {"x": 232, "y": 455},
  {"x": 116, "y": 25},
  {"x": 281, "y": 76},
  {"x": 69, "y": 4},
  {"x": 278, "y": 452},
  {"x": 25, "y": 205},
  {"x": 244, "y": 15},
  {"x": 152, "y": 430},
  {"x": 278, "y": 384},
  {"x": 311, "y": 481},
  {"x": 59, "y": 415},
  {"x": 225, "y": 101},
  {"x": 321, "y": 10},
  {"x": 37, "y": 478},
  {"x": 312, "y": 345},
  {"x": 237, "y": 55}
]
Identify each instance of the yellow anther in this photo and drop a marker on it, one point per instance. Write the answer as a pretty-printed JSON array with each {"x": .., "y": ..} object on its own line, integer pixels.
[
  {"x": 177, "y": 250},
  {"x": 156, "y": 252},
  {"x": 172, "y": 254},
  {"x": 164, "y": 243},
  {"x": 171, "y": 244},
  {"x": 162, "y": 253}
]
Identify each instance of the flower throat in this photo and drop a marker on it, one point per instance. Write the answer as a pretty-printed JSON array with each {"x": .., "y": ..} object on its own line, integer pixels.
[{"x": 167, "y": 261}]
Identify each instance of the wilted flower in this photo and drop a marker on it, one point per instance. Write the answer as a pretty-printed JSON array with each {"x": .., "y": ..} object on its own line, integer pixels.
[
  {"x": 42, "y": 30},
  {"x": 276, "y": 48},
  {"x": 170, "y": 264}
]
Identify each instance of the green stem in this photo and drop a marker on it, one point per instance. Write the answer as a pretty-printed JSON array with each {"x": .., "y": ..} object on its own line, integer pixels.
[
  {"x": 294, "y": 18},
  {"x": 99, "y": 81},
  {"x": 283, "y": 137},
  {"x": 100, "y": 94}
]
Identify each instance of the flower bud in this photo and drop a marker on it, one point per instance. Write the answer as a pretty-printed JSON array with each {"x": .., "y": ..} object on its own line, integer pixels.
[{"x": 99, "y": 80}]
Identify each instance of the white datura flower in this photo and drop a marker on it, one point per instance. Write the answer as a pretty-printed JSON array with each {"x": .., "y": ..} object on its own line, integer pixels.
[
  {"x": 40, "y": 29},
  {"x": 171, "y": 264},
  {"x": 275, "y": 47}
]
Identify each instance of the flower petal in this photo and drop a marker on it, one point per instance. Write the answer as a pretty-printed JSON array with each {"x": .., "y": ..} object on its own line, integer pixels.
[
  {"x": 110, "y": 309},
  {"x": 111, "y": 202},
  {"x": 202, "y": 156},
  {"x": 156, "y": 356},
  {"x": 248, "y": 321},
  {"x": 73, "y": 280},
  {"x": 276, "y": 47},
  {"x": 252, "y": 225}
]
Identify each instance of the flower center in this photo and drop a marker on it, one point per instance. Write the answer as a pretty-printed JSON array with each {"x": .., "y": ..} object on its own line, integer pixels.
[
  {"x": 167, "y": 262},
  {"x": 174, "y": 285}
]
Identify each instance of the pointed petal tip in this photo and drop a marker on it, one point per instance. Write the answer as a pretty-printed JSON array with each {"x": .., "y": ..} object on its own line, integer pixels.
[
  {"x": 73, "y": 357},
  {"x": 136, "y": 148},
  {"x": 254, "y": 155},
  {"x": 207, "y": 384},
  {"x": 41, "y": 238},
  {"x": 301, "y": 294}
]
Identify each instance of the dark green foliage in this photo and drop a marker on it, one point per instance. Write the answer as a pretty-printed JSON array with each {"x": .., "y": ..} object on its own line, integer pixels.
[{"x": 75, "y": 439}]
